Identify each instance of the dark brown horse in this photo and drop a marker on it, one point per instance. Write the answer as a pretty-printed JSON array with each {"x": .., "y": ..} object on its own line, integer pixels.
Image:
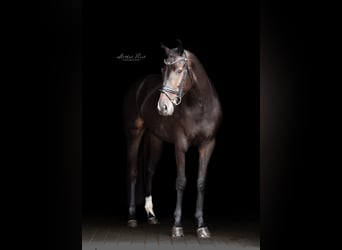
[{"x": 180, "y": 107}]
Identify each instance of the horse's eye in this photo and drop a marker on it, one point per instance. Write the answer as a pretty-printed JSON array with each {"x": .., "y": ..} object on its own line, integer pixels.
[{"x": 179, "y": 71}]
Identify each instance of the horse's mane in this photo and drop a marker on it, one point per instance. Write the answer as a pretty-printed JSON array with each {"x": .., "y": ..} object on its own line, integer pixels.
[{"x": 202, "y": 82}]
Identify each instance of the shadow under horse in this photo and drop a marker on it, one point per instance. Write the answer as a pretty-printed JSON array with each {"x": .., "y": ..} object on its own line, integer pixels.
[{"x": 181, "y": 107}]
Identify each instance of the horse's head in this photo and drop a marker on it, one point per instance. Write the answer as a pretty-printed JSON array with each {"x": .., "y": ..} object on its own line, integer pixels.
[{"x": 176, "y": 79}]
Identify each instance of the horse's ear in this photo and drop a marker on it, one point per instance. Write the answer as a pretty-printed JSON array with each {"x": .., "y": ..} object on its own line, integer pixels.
[
  {"x": 180, "y": 47},
  {"x": 165, "y": 49}
]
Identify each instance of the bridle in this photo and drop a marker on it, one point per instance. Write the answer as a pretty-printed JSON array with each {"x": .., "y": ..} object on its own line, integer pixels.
[{"x": 166, "y": 90}]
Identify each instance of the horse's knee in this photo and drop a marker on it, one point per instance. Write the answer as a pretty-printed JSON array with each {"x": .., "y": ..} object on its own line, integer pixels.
[
  {"x": 201, "y": 184},
  {"x": 180, "y": 183},
  {"x": 133, "y": 175},
  {"x": 150, "y": 171}
]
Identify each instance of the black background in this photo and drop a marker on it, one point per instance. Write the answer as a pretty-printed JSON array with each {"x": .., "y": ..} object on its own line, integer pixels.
[
  {"x": 85, "y": 169},
  {"x": 227, "y": 46}
]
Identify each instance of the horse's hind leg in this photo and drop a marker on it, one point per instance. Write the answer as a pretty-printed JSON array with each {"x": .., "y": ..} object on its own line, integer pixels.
[
  {"x": 134, "y": 136},
  {"x": 154, "y": 146}
]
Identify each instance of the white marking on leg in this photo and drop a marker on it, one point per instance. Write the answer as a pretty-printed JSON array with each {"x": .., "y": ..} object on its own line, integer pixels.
[{"x": 149, "y": 205}]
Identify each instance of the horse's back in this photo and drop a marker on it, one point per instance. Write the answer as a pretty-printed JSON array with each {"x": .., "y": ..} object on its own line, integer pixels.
[
  {"x": 148, "y": 87},
  {"x": 137, "y": 94}
]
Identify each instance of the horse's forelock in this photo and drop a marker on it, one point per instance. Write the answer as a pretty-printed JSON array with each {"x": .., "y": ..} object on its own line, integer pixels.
[{"x": 173, "y": 54}]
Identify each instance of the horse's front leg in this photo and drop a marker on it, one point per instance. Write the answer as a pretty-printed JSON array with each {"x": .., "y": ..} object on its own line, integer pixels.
[
  {"x": 177, "y": 229},
  {"x": 205, "y": 152}
]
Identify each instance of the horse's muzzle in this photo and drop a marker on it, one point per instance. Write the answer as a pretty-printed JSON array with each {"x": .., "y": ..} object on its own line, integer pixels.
[{"x": 165, "y": 106}]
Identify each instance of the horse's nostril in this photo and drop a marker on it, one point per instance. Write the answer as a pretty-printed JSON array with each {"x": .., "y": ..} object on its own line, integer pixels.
[{"x": 165, "y": 107}]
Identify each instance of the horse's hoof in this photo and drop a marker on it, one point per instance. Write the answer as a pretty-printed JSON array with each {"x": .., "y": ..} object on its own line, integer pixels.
[
  {"x": 152, "y": 221},
  {"x": 203, "y": 233},
  {"x": 177, "y": 232},
  {"x": 132, "y": 223}
]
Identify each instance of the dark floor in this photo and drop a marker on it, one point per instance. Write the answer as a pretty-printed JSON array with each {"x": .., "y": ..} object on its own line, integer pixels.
[{"x": 112, "y": 233}]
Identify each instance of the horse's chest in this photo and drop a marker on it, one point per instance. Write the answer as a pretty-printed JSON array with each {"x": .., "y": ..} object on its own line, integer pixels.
[{"x": 198, "y": 129}]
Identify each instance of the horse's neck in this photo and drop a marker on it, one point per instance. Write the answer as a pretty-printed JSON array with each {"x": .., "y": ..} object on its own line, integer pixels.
[
  {"x": 201, "y": 98},
  {"x": 202, "y": 87}
]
